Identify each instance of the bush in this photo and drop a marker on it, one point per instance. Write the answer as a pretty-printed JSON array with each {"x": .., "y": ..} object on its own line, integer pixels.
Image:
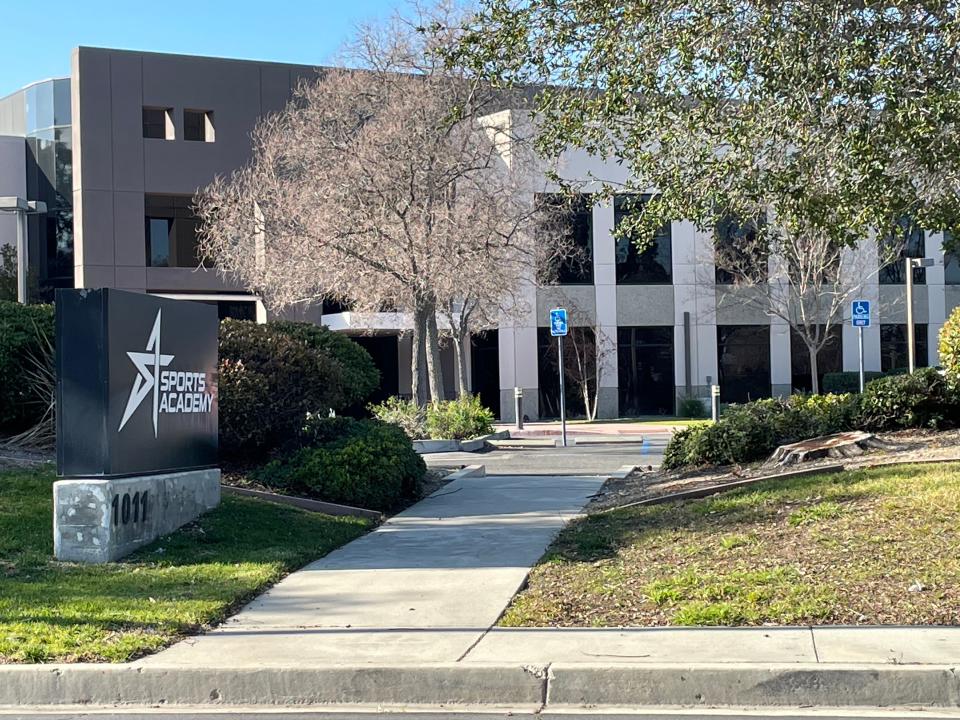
[
  {"x": 22, "y": 328},
  {"x": 923, "y": 399},
  {"x": 949, "y": 347},
  {"x": 268, "y": 383},
  {"x": 847, "y": 382},
  {"x": 753, "y": 430},
  {"x": 459, "y": 419},
  {"x": 370, "y": 464},
  {"x": 692, "y": 407},
  {"x": 359, "y": 373},
  {"x": 405, "y": 414}
]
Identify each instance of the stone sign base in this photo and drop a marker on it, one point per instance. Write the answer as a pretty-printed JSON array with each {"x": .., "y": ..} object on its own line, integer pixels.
[{"x": 97, "y": 521}]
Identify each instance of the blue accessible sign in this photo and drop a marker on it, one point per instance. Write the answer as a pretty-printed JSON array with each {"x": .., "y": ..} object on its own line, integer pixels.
[
  {"x": 860, "y": 313},
  {"x": 558, "y": 322}
]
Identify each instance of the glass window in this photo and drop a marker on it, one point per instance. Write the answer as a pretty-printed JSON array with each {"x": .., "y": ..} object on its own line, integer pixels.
[
  {"x": 171, "y": 231},
  {"x": 198, "y": 125},
  {"x": 911, "y": 241},
  {"x": 743, "y": 353},
  {"x": 893, "y": 347},
  {"x": 829, "y": 359},
  {"x": 740, "y": 254},
  {"x": 951, "y": 263},
  {"x": 574, "y": 219},
  {"x": 579, "y": 343},
  {"x": 157, "y": 123},
  {"x": 654, "y": 265},
  {"x": 645, "y": 370}
]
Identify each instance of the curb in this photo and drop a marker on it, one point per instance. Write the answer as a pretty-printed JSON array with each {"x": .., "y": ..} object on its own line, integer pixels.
[
  {"x": 537, "y": 686},
  {"x": 305, "y": 503},
  {"x": 469, "y": 471},
  {"x": 473, "y": 445}
]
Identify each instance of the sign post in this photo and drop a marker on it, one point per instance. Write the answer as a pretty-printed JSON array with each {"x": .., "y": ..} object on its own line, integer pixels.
[
  {"x": 860, "y": 317},
  {"x": 558, "y": 328}
]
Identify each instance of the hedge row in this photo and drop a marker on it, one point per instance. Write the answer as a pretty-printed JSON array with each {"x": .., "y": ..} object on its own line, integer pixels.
[
  {"x": 752, "y": 431},
  {"x": 22, "y": 332},
  {"x": 365, "y": 463}
]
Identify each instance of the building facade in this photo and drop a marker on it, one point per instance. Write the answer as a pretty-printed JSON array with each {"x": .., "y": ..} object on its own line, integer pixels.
[{"x": 118, "y": 149}]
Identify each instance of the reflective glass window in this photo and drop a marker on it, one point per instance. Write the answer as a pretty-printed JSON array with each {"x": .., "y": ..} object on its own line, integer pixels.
[
  {"x": 645, "y": 373},
  {"x": 171, "y": 231},
  {"x": 911, "y": 241},
  {"x": 574, "y": 220},
  {"x": 654, "y": 265},
  {"x": 893, "y": 347},
  {"x": 829, "y": 359},
  {"x": 740, "y": 254},
  {"x": 743, "y": 353}
]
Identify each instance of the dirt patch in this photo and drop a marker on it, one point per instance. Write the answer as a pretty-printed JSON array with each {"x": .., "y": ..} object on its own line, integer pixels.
[{"x": 903, "y": 446}]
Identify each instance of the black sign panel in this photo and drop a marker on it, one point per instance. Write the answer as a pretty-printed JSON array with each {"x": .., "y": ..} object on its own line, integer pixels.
[{"x": 136, "y": 384}]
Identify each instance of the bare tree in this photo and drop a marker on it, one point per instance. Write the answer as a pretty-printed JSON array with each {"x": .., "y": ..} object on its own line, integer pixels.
[
  {"x": 399, "y": 185},
  {"x": 807, "y": 280}
]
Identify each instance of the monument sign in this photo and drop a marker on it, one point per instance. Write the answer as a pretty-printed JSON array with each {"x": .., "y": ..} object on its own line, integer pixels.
[{"x": 136, "y": 420}]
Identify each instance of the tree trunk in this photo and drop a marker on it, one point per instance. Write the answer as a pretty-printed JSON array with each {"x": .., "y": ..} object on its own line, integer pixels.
[
  {"x": 814, "y": 372},
  {"x": 434, "y": 370},
  {"x": 417, "y": 353},
  {"x": 460, "y": 342}
]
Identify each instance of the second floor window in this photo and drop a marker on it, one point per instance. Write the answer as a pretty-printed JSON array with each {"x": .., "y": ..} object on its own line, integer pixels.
[
  {"x": 741, "y": 252},
  {"x": 905, "y": 242},
  {"x": 171, "y": 231},
  {"x": 572, "y": 219},
  {"x": 652, "y": 266}
]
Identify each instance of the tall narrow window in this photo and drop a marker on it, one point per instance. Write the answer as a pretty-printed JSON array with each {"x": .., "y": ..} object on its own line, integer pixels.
[
  {"x": 893, "y": 347},
  {"x": 198, "y": 125},
  {"x": 158, "y": 123},
  {"x": 906, "y": 242},
  {"x": 741, "y": 252},
  {"x": 573, "y": 220},
  {"x": 654, "y": 265},
  {"x": 743, "y": 352}
]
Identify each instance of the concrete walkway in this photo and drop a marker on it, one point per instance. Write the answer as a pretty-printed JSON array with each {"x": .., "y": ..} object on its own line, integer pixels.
[{"x": 423, "y": 587}]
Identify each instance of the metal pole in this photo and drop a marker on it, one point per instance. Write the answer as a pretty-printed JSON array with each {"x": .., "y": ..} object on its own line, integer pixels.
[
  {"x": 911, "y": 350},
  {"x": 715, "y": 402},
  {"x": 518, "y": 407},
  {"x": 563, "y": 398},
  {"x": 860, "y": 340},
  {"x": 22, "y": 266}
]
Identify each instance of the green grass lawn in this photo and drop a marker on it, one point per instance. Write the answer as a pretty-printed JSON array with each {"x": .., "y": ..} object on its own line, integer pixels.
[
  {"x": 51, "y": 611},
  {"x": 825, "y": 549}
]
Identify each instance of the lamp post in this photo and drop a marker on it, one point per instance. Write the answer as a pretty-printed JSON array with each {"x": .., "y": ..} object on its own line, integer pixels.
[
  {"x": 911, "y": 341},
  {"x": 21, "y": 208}
]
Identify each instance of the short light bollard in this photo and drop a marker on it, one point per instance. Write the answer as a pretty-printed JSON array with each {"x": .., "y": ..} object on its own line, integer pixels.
[
  {"x": 518, "y": 406},
  {"x": 715, "y": 402}
]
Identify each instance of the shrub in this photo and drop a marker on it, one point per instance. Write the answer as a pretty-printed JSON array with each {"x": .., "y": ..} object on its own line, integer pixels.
[
  {"x": 360, "y": 375},
  {"x": 691, "y": 407},
  {"x": 922, "y": 399},
  {"x": 268, "y": 383},
  {"x": 753, "y": 430},
  {"x": 371, "y": 465},
  {"x": 847, "y": 382},
  {"x": 22, "y": 328},
  {"x": 949, "y": 347},
  {"x": 459, "y": 419},
  {"x": 405, "y": 414}
]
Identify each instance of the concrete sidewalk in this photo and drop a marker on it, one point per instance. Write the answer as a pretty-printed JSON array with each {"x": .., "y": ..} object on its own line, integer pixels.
[{"x": 425, "y": 585}]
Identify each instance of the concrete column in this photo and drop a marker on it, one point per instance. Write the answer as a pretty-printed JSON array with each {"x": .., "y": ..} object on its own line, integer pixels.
[
  {"x": 693, "y": 292},
  {"x": 780, "y": 359},
  {"x": 859, "y": 276},
  {"x": 517, "y": 340},
  {"x": 605, "y": 287},
  {"x": 936, "y": 296}
]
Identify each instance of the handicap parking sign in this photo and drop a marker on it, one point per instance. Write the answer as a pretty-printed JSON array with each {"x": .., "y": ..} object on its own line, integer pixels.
[
  {"x": 860, "y": 313},
  {"x": 558, "y": 321}
]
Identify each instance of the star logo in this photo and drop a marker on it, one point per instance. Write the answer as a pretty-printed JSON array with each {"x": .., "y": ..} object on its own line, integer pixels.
[{"x": 148, "y": 364}]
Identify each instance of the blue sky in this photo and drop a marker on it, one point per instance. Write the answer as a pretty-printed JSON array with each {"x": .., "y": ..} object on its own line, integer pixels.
[{"x": 38, "y": 36}]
